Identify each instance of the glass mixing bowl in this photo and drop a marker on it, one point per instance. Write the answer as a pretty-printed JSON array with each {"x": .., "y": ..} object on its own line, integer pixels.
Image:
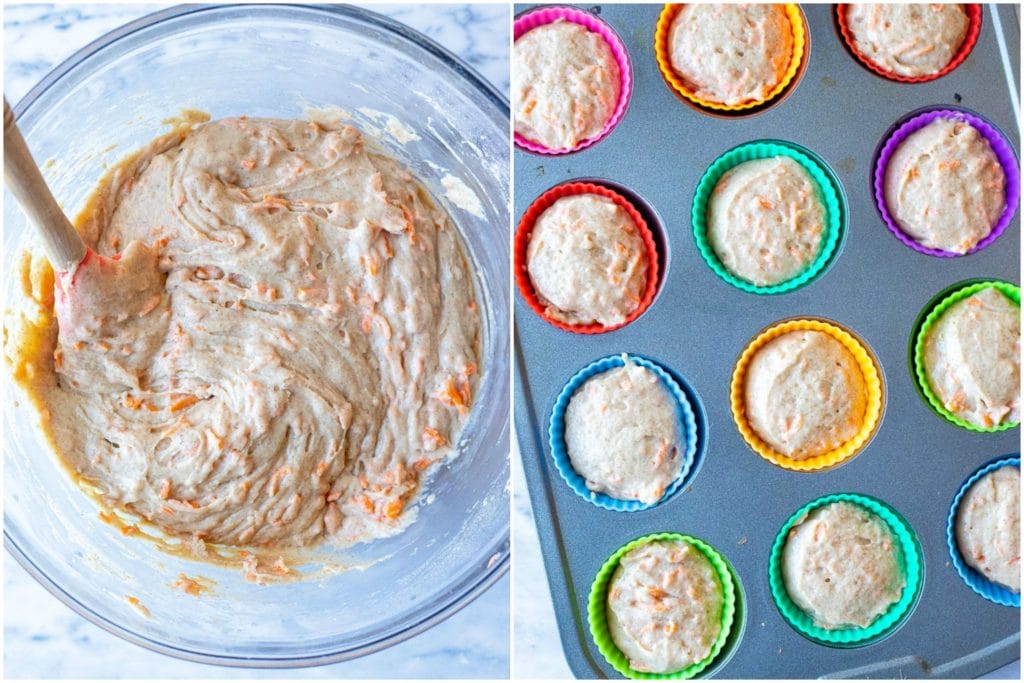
[{"x": 108, "y": 100}]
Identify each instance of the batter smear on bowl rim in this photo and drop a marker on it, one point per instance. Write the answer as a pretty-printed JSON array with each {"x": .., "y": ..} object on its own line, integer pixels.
[{"x": 284, "y": 348}]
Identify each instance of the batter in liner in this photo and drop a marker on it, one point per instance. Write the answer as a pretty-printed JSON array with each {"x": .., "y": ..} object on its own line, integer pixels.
[
  {"x": 841, "y": 566},
  {"x": 286, "y": 346},
  {"x": 665, "y": 606}
]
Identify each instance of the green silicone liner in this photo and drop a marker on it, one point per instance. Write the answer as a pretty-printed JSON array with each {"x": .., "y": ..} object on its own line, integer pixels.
[
  {"x": 597, "y": 609},
  {"x": 910, "y": 557},
  {"x": 827, "y": 184},
  {"x": 1012, "y": 292}
]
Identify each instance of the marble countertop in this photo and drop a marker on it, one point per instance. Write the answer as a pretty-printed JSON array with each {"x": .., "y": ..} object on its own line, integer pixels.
[{"x": 45, "y": 639}]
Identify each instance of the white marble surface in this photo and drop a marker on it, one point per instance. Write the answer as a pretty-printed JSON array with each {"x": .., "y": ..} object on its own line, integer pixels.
[
  {"x": 538, "y": 647},
  {"x": 45, "y": 639}
]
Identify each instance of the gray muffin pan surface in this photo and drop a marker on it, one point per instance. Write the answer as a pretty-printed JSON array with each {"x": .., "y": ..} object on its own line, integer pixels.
[{"x": 698, "y": 325}]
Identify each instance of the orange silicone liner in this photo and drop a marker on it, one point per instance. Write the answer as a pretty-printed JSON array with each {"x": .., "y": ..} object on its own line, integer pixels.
[
  {"x": 872, "y": 379},
  {"x": 679, "y": 86},
  {"x": 522, "y": 241},
  {"x": 973, "y": 31}
]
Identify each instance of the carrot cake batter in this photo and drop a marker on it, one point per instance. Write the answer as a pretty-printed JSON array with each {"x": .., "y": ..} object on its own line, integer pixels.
[
  {"x": 731, "y": 54},
  {"x": 566, "y": 84},
  {"x": 972, "y": 359},
  {"x": 665, "y": 606},
  {"x": 945, "y": 187},
  {"x": 805, "y": 394},
  {"x": 765, "y": 220},
  {"x": 988, "y": 526},
  {"x": 914, "y": 39},
  {"x": 840, "y": 565},
  {"x": 623, "y": 434},
  {"x": 286, "y": 345},
  {"x": 587, "y": 261}
]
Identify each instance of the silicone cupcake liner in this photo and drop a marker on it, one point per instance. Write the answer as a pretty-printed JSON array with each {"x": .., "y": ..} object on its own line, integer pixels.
[
  {"x": 1012, "y": 292},
  {"x": 910, "y": 558},
  {"x": 522, "y": 241},
  {"x": 679, "y": 86},
  {"x": 547, "y": 15},
  {"x": 1003, "y": 151},
  {"x": 974, "y": 15},
  {"x": 560, "y": 454},
  {"x": 872, "y": 379},
  {"x": 827, "y": 184},
  {"x": 597, "y": 609},
  {"x": 975, "y": 580}
]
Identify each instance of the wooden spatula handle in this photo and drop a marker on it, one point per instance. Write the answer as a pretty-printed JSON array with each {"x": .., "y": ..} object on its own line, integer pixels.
[{"x": 62, "y": 242}]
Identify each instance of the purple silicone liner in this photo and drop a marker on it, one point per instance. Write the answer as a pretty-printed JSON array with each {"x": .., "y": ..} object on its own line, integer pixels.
[
  {"x": 1003, "y": 151},
  {"x": 532, "y": 19}
]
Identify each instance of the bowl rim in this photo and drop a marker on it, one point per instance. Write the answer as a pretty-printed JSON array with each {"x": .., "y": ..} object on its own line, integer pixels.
[{"x": 500, "y": 561}]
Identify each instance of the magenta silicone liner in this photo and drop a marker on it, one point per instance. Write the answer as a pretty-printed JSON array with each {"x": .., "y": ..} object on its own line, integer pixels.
[
  {"x": 1004, "y": 153},
  {"x": 532, "y": 19}
]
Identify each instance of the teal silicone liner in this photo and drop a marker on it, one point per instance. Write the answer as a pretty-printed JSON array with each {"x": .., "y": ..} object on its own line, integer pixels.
[
  {"x": 831, "y": 194},
  {"x": 560, "y": 454},
  {"x": 912, "y": 560},
  {"x": 975, "y": 580}
]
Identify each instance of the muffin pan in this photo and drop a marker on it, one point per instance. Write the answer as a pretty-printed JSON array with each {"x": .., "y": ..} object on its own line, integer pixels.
[{"x": 698, "y": 325}]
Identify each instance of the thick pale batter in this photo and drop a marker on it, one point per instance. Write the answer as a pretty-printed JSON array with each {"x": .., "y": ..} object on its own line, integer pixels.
[
  {"x": 566, "y": 84},
  {"x": 587, "y": 261},
  {"x": 972, "y": 359},
  {"x": 665, "y": 606},
  {"x": 286, "y": 346},
  {"x": 913, "y": 39},
  {"x": 805, "y": 394},
  {"x": 623, "y": 434},
  {"x": 731, "y": 54},
  {"x": 945, "y": 187},
  {"x": 988, "y": 526},
  {"x": 840, "y": 565},
  {"x": 765, "y": 220}
]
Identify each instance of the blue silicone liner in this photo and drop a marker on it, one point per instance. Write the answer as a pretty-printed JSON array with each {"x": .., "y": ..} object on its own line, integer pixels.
[
  {"x": 560, "y": 454},
  {"x": 975, "y": 580}
]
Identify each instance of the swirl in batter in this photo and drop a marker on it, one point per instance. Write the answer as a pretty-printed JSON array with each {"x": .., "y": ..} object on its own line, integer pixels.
[{"x": 286, "y": 344}]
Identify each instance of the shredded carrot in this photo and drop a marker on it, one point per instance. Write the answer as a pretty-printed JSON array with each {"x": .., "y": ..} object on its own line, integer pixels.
[
  {"x": 435, "y": 436},
  {"x": 183, "y": 403},
  {"x": 393, "y": 509},
  {"x": 457, "y": 397}
]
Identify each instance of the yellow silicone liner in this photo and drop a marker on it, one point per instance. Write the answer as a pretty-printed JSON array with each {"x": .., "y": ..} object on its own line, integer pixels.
[
  {"x": 872, "y": 379},
  {"x": 661, "y": 54}
]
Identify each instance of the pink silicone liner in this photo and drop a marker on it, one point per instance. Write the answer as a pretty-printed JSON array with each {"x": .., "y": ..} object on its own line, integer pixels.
[
  {"x": 534, "y": 18},
  {"x": 1003, "y": 151}
]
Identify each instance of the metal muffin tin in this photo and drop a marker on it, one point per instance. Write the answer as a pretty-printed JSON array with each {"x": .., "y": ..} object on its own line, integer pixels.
[{"x": 698, "y": 325}]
